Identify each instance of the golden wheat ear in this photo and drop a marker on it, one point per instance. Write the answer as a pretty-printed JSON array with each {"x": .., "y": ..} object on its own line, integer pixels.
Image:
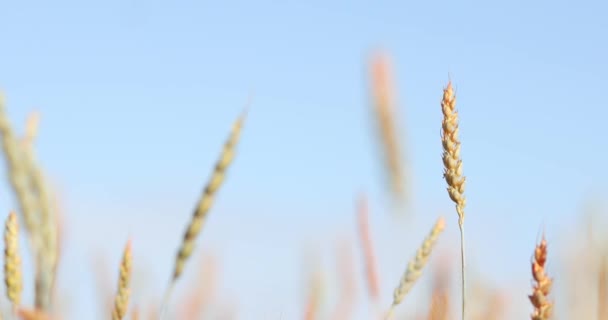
[
  {"x": 452, "y": 173},
  {"x": 121, "y": 301},
  {"x": 543, "y": 308},
  {"x": 12, "y": 261},
  {"x": 415, "y": 266}
]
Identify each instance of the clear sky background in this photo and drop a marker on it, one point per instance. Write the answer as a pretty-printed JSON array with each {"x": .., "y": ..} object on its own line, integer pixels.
[{"x": 137, "y": 98}]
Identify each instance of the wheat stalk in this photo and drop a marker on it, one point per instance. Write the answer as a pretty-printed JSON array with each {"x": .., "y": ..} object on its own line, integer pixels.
[
  {"x": 415, "y": 266},
  {"x": 121, "y": 300},
  {"x": 542, "y": 306},
  {"x": 195, "y": 303},
  {"x": 348, "y": 288},
  {"x": 204, "y": 204},
  {"x": 314, "y": 298},
  {"x": 603, "y": 289},
  {"x": 33, "y": 314},
  {"x": 12, "y": 261},
  {"x": 453, "y": 175}
]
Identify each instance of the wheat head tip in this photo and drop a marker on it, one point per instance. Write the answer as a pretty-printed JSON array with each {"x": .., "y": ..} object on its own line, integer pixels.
[
  {"x": 452, "y": 161},
  {"x": 121, "y": 301},
  {"x": 542, "y": 284}
]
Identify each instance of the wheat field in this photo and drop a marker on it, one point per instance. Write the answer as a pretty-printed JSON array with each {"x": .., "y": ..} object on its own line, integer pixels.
[{"x": 231, "y": 211}]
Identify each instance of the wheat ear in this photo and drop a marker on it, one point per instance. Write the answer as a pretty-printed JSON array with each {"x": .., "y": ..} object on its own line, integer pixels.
[
  {"x": 415, "y": 266},
  {"x": 19, "y": 179},
  {"x": 369, "y": 256},
  {"x": 27, "y": 182},
  {"x": 385, "y": 113},
  {"x": 121, "y": 300},
  {"x": 204, "y": 204},
  {"x": 542, "y": 286},
  {"x": 12, "y": 261},
  {"x": 32, "y": 314},
  {"x": 453, "y": 170}
]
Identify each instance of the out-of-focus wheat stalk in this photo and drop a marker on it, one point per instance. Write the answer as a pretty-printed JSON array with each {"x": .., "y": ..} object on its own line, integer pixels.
[
  {"x": 452, "y": 173},
  {"x": 348, "y": 287},
  {"x": 440, "y": 299},
  {"x": 31, "y": 129},
  {"x": 311, "y": 309},
  {"x": 367, "y": 247},
  {"x": 135, "y": 313},
  {"x": 196, "y": 302},
  {"x": 383, "y": 94},
  {"x": 415, "y": 266},
  {"x": 539, "y": 298},
  {"x": 32, "y": 314},
  {"x": 12, "y": 261},
  {"x": 603, "y": 289},
  {"x": 495, "y": 309},
  {"x": 121, "y": 300},
  {"x": 204, "y": 204},
  {"x": 103, "y": 286}
]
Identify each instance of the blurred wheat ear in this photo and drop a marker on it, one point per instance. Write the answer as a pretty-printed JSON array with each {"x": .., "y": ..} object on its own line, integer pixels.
[
  {"x": 415, "y": 267},
  {"x": 28, "y": 184},
  {"x": 204, "y": 204},
  {"x": 121, "y": 301},
  {"x": 12, "y": 261},
  {"x": 385, "y": 112}
]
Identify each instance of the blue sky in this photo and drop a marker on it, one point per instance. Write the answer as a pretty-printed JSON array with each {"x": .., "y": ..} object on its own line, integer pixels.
[{"x": 137, "y": 98}]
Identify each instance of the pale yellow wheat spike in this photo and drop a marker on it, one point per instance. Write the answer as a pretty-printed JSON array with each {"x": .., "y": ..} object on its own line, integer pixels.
[
  {"x": 27, "y": 181},
  {"x": 452, "y": 173},
  {"x": 204, "y": 204},
  {"x": 415, "y": 266},
  {"x": 542, "y": 284},
  {"x": 12, "y": 261},
  {"x": 19, "y": 179},
  {"x": 121, "y": 300}
]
